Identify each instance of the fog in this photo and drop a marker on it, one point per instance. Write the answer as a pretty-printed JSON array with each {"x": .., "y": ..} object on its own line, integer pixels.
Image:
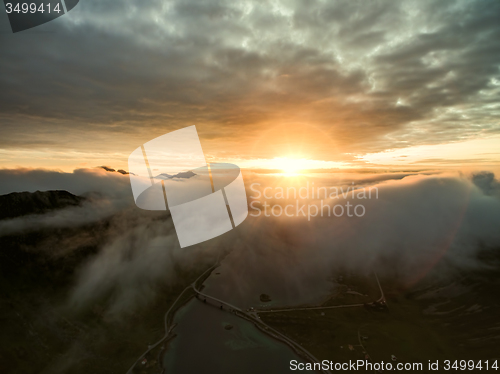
[{"x": 417, "y": 220}]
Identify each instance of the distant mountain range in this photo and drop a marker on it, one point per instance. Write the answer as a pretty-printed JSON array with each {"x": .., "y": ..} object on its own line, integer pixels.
[
  {"x": 23, "y": 203},
  {"x": 162, "y": 176},
  {"x": 185, "y": 174}
]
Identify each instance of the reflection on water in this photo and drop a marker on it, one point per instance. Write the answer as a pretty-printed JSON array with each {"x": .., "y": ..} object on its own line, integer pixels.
[
  {"x": 204, "y": 344},
  {"x": 204, "y": 341}
]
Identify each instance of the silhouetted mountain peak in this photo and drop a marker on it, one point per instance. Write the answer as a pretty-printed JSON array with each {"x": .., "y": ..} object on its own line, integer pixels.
[
  {"x": 164, "y": 176},
  {"x": 185, "y": 174},
  {"x": 23, "y": 203}
]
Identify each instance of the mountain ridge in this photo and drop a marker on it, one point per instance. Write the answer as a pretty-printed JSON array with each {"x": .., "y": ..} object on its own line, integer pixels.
[{"x": 17, "y": 204}]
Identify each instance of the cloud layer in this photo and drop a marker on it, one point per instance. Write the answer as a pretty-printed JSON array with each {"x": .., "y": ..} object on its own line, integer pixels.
[
  {"x": 416, "y": 221},
  {"x": 328, "y": 78}
]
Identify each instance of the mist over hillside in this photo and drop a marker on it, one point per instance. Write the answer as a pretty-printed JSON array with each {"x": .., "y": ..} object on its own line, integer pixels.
[
  {"x": 458, "y": 214},
  {"x": 70, "y": 258}
]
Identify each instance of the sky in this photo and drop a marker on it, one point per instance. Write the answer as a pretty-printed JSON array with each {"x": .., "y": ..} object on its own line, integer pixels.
[
  {"x": 405, "y": 93},
  {"x": 320, "y": 84}
]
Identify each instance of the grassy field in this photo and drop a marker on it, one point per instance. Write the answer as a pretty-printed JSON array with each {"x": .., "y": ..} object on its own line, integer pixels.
[
  {"x": 351, "y": 288},
  {"x": 405, "y": 328},
  {"x": 399, "y": 331}
]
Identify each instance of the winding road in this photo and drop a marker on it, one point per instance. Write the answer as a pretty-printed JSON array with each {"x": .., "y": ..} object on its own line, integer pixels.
[
  {"x": 165, "y": 318},
  {"x": 253, "y": 317},
  {"x": 381, "y": 299}
]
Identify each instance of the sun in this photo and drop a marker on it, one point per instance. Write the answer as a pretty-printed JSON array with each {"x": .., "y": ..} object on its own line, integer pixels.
[{"x": 288, "y": 166}]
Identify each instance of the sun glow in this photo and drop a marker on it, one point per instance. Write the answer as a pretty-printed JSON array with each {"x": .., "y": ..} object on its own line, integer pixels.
[
  {"x": 289, "y": 166},
  {"x": 286, "y": 166}
]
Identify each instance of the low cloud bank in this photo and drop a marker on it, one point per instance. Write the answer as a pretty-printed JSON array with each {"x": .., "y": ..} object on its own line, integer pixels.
[
  {"x": 79, "y": 182},
  {"x": 415, "y": 222}
]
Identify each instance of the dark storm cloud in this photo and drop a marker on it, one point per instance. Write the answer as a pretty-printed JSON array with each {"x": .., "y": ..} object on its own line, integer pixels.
[{"x": 374, "y": 75}]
